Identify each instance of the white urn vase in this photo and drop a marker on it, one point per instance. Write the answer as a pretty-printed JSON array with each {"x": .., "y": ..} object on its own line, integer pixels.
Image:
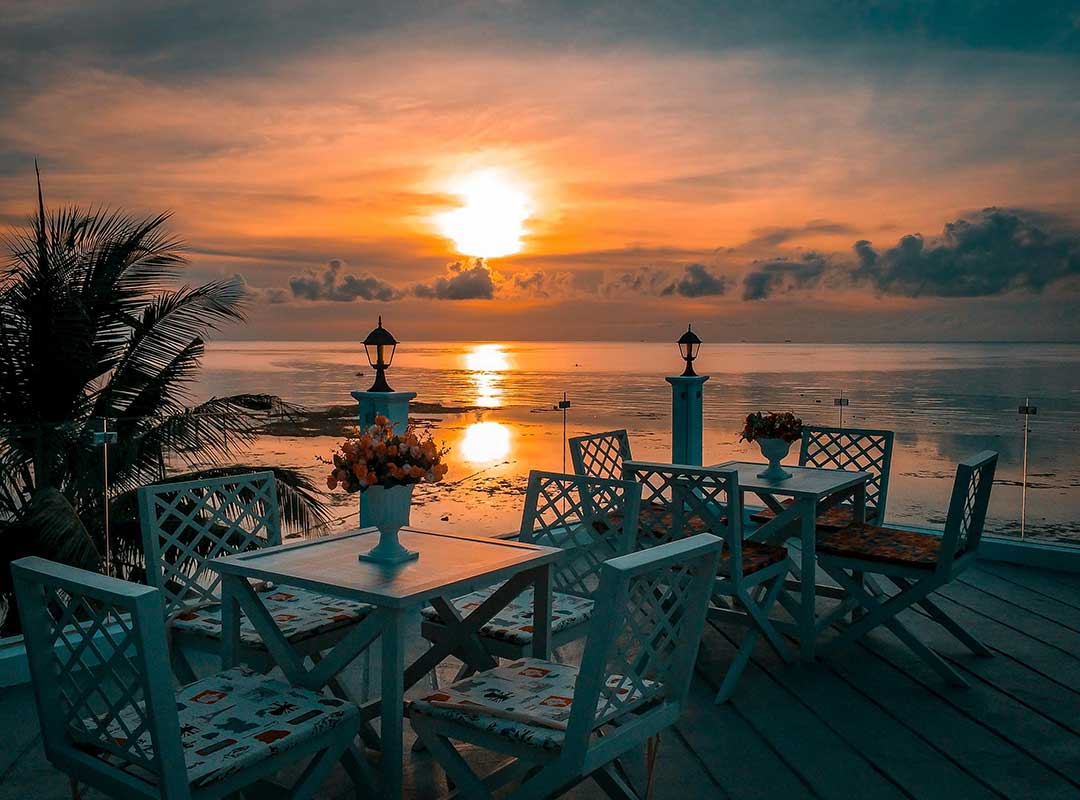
[
  {"x": 774, "y": 450},
  {"x": 388, "y": 510}
]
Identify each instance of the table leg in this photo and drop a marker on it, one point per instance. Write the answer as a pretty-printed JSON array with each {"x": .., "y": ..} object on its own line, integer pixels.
[
  {"x": 807, "y": 586},
  {"x": 392, "y": 704},
  {"x": 858, "y": 503},
  {"x": 542, "y": 613},
  {"x": 230, "y": 622}
]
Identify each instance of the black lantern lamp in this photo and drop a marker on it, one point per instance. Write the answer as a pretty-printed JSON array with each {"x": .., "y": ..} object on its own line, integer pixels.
[
  {"x": 689, "y": 345},
  {"x": 380, "y": 345}
]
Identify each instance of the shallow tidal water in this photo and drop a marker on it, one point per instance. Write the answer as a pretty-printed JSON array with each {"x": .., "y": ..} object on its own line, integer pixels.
[{"x": 945, "y": 402}]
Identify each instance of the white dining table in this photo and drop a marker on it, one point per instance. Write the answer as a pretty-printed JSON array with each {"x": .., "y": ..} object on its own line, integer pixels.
[
  {"x": 811, "y": 491},
  {"x": 449, "y": 565}
]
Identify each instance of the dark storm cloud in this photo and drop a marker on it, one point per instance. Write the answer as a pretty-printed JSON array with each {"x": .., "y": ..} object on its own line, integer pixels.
[
  {"x": 994, "y": 251},
  {"x": 698, "y": 281},
  {"x": 772, "y": 237},
  {"x": 461, "y": 283},
  {"x": 331, "y": 284},
  {"x": 644, "y": 280},
  {"x": 767, "y": 278}
]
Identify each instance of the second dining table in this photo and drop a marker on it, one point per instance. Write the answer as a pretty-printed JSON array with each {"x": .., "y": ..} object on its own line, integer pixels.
[
  {"x": 449, "y": 565},
  {"x": 809, "y": 492}
]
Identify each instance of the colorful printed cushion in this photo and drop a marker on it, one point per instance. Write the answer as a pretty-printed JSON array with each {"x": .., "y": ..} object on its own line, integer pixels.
[
  {"x": 839, "y": 516},
  {"x": 299, "y": 614},
  {"x": 238, "y": 718},
  {"x": 755, "y": 556},
  {"x": 528, "y": 701},
  {"x": 514, "y": 623},
  {"x": 887, "y": 545}
]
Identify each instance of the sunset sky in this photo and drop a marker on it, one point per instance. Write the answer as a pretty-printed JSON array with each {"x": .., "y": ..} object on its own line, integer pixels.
[{"x": 830, "y": 171}]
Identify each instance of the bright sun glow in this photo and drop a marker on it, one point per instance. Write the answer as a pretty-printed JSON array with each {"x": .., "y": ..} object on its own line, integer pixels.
[
  {"x": 491, "y": 220},
  {"x": 485, "y": 442},
  {"x": 485, "y": 362}
]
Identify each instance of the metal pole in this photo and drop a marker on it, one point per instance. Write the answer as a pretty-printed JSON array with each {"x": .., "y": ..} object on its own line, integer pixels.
[
  {"x": 105, "y": 490},
  {"x": 1023, "y": 490}
]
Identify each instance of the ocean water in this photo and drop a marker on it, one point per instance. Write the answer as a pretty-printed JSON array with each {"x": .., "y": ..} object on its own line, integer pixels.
[{"x": 945, "y": 401}]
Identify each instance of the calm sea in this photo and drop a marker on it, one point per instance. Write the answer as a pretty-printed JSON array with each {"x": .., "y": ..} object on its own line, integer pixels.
[{"x": 945, "y": 401}]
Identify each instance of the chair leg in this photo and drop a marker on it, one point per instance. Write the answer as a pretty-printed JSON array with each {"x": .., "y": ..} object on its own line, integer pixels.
[
  {"x": 936, "y": 662},
  {"x": 613, "y": 784},
  {"x": 738, "y": 664},
  {"x": 759, "y": 613},
  {"x": 466, "y": 782},
  {"x": 181, "y": 666},
  {"x": 953, "y": 627},
  {"x": 879, "y": 613},
  {"x": 318, "y": 768}
]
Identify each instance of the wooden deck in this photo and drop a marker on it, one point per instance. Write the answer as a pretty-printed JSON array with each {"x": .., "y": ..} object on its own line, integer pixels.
[{"x": 872, "y": 722}]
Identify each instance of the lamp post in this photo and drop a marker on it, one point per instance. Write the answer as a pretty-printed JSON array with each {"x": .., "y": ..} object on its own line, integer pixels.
[
  {"x": 380, "y": 345},
  {"x": 686, "y": 404},
  {"x": 689, "y": 345}
]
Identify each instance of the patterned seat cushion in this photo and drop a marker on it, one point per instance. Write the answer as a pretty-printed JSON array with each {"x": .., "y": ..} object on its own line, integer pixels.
[
  {"x": 238, "y": 718},
  {"x": 837, "y": 517},
  {"x": 299, "y": 614},
  {"x": 886, "y": 545},
  {"x": 528, "y": 701},
  {"x": 755, "y": 556},
  {"x": 514, "y": 623}
]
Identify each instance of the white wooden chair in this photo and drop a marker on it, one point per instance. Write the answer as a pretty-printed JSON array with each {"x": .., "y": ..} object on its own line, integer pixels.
[
  {"x": 591, "y": 520},
  {"x": 110, "y": 717},
  {"x": 184, "y": 526},
  {"x": 563, "y": 724},
  {"x": 600, "y": 455},
  {"x": 917, "y": 564},
  {"x": 858, "y": 449},
  {"x": 679, "y": 501}
]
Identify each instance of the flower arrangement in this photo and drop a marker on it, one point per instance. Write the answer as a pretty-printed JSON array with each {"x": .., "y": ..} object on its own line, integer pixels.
[
  {"x": 377, "y": 456},
  {"x": 784, "y": 426}
]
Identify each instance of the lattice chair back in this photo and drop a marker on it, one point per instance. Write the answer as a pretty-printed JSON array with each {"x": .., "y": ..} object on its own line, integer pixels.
[
  {"x": 600, "y": 455},
  {"x": 853, "y": 449},
  {"x": 650, "y": 613},
  {"x": 187, "y": 524},
  {"x": 968, "y": 506},
  {"x": 678, "y": 500},
  {"x": 591, "y": 519},
  {"x": 102, "y": 682}
]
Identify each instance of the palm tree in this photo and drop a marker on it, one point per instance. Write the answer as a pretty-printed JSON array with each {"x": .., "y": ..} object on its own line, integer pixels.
[{"x": 93, "y": 327}]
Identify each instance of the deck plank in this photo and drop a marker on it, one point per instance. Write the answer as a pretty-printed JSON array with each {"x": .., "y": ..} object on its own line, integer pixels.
[
  {"x": 984, "y": 755},
  {"x": 828, "y": 764},
  {"x": 1049, "y": 608},
  {"x": 895, "y": 751},
  {"x": 1061, "y": 586},
  {"x": 1040, "y": 739}
]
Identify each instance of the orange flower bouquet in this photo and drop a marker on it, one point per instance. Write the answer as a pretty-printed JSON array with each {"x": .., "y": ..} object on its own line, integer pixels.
[{"x": 376, "y": 456}]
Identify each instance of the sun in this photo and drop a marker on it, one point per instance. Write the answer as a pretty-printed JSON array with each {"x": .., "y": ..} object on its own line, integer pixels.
[{"x": 491, "y": 220}]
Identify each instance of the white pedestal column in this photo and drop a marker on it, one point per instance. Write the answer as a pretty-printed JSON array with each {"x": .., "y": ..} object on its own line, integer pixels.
[
  {"x": 686, "y": 426},
  {"x": 392, "y": 405}
]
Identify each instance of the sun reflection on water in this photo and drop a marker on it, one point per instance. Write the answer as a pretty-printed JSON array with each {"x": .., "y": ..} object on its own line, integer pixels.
[
  {"x": 486, "y": 363},
  {"x": 485, "y": 442}
]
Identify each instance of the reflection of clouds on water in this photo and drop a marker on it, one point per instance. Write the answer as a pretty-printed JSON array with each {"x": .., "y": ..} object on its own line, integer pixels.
[{"x": 485, "y": 442}]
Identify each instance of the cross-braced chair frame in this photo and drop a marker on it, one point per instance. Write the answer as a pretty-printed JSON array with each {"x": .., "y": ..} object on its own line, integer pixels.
[
  {"x": 860, "y": 449},
  {"x": 600, "y": 455},
  {"x": 957, "y": 551},
  {"x": 633, "y": 682},
  {"x": 591, "y": 520},
  {"x": 186, "y": 524},
  {"x": 711, "y": 497},
  {"x": 99, "y": 662}
]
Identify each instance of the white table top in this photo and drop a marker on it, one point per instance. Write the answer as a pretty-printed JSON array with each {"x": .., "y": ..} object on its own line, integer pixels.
[
  {"x": 804, "y": 481},
  {"x": 448, "y": 564}
]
